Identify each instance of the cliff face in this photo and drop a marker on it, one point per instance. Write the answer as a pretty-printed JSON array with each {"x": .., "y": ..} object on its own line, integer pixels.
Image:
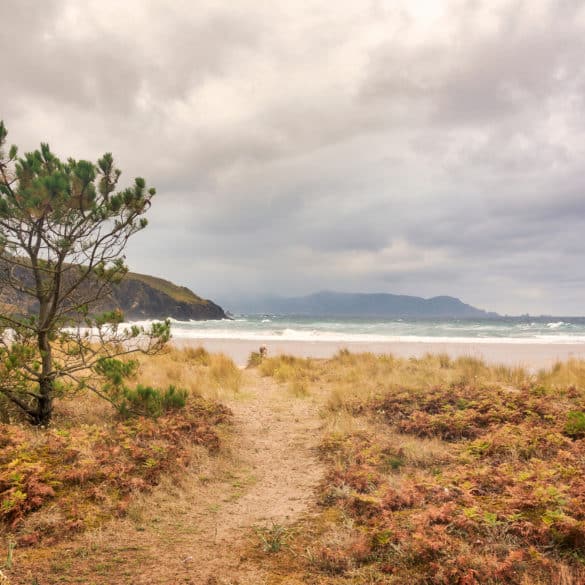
[
  {"x": 139, "y": 296},
  {"x": 146, "y": 297}
]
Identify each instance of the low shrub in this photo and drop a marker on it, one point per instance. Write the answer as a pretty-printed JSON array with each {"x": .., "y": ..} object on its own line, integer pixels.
[
  {"x": 88, "y": 473},
  {"x": 575, "y": 426},
  {"x": 148, "y": 401},
  {"x": 471, "y": 481}
]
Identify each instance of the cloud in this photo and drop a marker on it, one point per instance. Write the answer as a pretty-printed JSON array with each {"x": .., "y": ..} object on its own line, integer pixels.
[{"x": 408, "y": 147}]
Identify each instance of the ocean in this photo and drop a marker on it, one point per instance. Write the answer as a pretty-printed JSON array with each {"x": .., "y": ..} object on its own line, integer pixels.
[{"x": 265, "y": 328}]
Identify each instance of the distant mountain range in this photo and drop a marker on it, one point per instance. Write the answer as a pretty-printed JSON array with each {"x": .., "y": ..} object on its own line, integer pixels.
[{"x": 336, "y": 304}]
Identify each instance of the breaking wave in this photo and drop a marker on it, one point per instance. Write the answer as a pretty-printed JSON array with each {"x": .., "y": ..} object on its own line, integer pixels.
[{"x": 287, "y": 328}]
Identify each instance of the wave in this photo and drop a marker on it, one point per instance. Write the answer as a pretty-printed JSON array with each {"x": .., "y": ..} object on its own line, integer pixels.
[
  {"x": 265, "y": 328},
  {"x": 559, "y": 325},
  {"x": 340, "y": 337}
]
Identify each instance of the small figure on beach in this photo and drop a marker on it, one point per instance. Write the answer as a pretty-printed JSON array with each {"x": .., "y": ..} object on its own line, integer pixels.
[{"x": 263, "y": 351}]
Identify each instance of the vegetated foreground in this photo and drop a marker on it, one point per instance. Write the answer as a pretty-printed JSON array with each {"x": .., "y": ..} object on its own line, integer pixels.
[
  {"x": 447, "y": 472},
  {"x": 165, "y": 500},
  {"x": 361, "y": 469}
]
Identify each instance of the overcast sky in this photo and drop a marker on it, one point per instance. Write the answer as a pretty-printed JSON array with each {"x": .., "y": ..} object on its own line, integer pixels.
[{"x": 421, "y": 147}]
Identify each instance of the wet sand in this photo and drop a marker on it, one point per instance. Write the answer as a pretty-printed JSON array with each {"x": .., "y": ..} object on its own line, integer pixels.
[{"x": 529, "y": 355}]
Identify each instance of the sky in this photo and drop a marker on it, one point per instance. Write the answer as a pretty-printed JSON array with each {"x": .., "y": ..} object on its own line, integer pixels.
[{"x": 410, "y": 147}]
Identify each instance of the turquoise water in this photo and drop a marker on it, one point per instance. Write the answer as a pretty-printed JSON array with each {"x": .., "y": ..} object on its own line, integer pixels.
[{"x": 291, "y": 328}]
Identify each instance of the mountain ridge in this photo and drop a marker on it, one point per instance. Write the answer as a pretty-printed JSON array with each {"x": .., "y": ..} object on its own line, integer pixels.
[{"x": 342, "y": 304}]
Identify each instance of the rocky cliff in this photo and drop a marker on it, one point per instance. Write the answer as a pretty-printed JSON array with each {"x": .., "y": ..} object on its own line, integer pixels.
[
  {"x": 146, "y": 297},
  {"x": 139, "y": 296}
]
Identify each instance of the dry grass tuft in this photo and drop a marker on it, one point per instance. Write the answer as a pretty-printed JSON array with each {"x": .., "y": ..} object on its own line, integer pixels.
[
  {"x": 296, "y": 373},
  {"x": 193, "y": 369},
  {"x": 564, "y": 375}
]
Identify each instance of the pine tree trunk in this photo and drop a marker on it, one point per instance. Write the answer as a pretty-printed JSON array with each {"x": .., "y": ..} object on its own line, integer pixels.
[{"x": 44, "y": 403}]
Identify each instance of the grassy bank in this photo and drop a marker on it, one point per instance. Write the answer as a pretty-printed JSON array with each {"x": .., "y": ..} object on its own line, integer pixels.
[{"x": 442, "y": 472}]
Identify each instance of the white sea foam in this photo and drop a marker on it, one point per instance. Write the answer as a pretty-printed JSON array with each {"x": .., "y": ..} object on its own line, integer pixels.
[
  {"x": 265, "y": 329},
  {"x": 301, "y": 335}
]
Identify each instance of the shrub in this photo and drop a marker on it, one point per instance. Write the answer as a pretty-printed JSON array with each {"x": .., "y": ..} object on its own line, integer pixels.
[
  {"x": 575, "y": 426},
  {"x": 152, "y": 402},
  {"x": 60, "y": 481}
]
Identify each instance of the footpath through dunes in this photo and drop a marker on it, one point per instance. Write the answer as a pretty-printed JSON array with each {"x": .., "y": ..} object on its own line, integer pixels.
[
  {"x": 199, "y": 531},
  {"x": 270, "y": 480}
]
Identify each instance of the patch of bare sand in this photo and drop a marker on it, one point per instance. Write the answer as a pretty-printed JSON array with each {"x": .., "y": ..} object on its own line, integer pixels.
[{"x": 197, "y": 532}]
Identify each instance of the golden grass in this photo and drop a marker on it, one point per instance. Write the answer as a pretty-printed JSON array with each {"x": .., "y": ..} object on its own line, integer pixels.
[
  {"x": 211, "y": 376},
  {"x": 193, "y": 369},
  {"x": 563, "y": 374},
  {"x": 343, "y": 422},
  {"x": 296, "y": 373},
  {"x": 349, "y": 377},
  {"x": 419, "y": 451}
]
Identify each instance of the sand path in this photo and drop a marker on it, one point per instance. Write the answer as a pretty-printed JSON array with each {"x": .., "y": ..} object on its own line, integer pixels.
[
  {"x": 198, "y": 532},
  {"x": 271, "y": 479}
]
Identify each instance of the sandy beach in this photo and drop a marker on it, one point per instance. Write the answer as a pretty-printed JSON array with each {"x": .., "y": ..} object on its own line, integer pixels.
[{"x": 529, "y": 355}]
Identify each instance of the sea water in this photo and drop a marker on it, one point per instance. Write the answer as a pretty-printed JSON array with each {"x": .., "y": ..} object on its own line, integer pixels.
[{"x": 299, "y": 328}]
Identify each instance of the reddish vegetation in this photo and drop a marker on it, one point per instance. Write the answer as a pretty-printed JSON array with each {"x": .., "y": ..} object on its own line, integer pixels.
[
  {"x": 503, "y": 503},
  {"x": 60, "y": 481}
]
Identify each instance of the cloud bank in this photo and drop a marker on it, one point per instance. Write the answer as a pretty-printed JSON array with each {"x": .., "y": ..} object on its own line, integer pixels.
[{"x": 409, "y": 147}]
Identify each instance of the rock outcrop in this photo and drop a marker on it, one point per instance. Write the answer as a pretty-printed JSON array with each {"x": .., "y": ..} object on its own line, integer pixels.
[
  {"x": 139, "y": 296},
  {"x": 146, "y": 297}
]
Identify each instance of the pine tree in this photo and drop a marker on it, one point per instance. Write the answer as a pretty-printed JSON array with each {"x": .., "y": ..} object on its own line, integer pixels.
[{"x": 64, "y": 226}]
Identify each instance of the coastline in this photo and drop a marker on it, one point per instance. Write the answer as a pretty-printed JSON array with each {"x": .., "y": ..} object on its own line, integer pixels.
[{"x": 528, "y": 355}]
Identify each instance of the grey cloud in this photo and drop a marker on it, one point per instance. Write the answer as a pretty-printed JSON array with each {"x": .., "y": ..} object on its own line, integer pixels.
[
  {"x": 480, "y": 78},
  {"x": 301, "y": 147}
]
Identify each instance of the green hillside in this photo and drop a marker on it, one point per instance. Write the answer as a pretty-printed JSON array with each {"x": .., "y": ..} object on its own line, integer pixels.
[{"x": 178, "y": 293}]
